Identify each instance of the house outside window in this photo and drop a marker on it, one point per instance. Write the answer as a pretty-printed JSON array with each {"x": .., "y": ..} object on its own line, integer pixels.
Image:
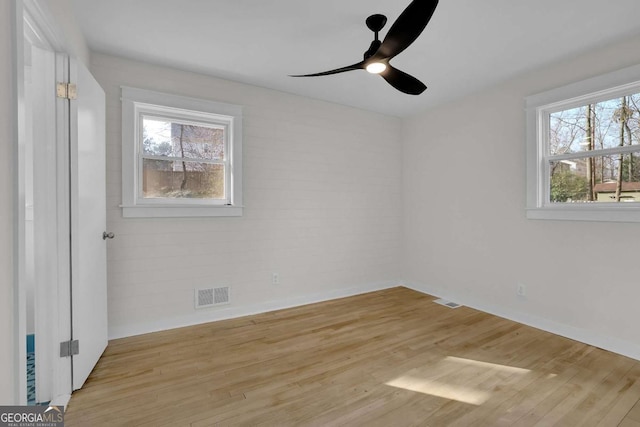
[
  {"x": 181, "y": 156},
  {"x": 583, "y": 150}
]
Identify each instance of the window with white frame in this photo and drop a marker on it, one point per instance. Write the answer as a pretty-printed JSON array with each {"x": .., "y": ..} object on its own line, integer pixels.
[
  {"x": 583, "y": 150},
  {"x": 181, "y": 157}
]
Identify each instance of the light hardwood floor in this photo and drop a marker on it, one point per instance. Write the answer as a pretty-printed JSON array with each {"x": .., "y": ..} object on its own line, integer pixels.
[{"x": 388, "y": 358}]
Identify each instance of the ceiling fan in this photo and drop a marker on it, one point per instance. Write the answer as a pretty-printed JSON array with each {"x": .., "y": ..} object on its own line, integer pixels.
[{"x": 402, "y": 33}]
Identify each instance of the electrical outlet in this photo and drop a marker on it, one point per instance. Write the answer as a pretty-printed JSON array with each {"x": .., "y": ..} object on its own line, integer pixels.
[
  {"x": 521, "y": 290},
  {"x": 275, "y": 279}
]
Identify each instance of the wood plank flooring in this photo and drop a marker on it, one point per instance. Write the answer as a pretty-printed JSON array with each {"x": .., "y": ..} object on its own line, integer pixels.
[{"x": 388, "y": 358}]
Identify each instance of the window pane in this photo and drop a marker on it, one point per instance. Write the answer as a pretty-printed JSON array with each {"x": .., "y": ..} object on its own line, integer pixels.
[
  {"x": 605, "y": 124},
  {"x": 174, "y": 139},
  {"x": 596, "y": 179},
  {"x": 178, "y": 179}
]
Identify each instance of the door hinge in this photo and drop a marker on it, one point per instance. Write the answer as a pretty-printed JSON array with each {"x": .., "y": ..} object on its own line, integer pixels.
[
  {"x": 69, "y": 348},
  {"x": 66, "y": 90}
]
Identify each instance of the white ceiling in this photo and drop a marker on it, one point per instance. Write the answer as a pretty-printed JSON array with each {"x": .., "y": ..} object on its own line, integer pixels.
[{"x": 467, "y": 46}]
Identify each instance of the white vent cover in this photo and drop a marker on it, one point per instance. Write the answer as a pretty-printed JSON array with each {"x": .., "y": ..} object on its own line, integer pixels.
[
  {"x": 209, "y": 297},
  {"x": 447, "y": 303}
]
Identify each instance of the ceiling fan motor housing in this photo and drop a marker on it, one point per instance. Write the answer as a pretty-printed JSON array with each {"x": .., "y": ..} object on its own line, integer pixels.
[{"x": 375, "y": 45}]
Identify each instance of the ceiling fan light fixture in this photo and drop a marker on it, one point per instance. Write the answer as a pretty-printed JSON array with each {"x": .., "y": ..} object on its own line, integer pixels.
[
  {"x": 376, "y": 67},
  {"x": 404, "y": 31}
]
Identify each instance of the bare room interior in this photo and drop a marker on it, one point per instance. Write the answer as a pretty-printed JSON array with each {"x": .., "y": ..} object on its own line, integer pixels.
[{"x": 216, "y": 213}]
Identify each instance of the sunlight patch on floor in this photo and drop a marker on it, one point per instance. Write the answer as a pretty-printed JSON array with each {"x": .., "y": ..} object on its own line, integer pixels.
[
  {"x": 455, "y": 378},
  {"x": 486, "y": 365},
  {"x": 436, "y": 388}
]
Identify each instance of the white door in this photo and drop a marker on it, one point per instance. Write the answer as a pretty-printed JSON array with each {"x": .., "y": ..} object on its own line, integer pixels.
[{"x": 88, "y": 222}]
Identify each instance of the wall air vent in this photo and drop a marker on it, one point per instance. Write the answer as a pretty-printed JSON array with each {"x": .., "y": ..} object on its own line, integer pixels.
[
  {"x": 210, "y": 297},
  {"x": 446, "y": 303}
]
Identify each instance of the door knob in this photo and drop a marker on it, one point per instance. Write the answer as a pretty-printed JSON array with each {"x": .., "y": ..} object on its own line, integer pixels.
[{"x": 106, "y": 235}]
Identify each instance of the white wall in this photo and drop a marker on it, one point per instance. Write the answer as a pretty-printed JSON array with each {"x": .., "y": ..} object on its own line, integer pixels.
[
  {"x": 322, "y": 190},
  {"x": 7, "y": 118},
  {"x": 465, "y": 232}
]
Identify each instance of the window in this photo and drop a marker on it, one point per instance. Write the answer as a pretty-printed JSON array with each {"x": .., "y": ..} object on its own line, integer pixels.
[
  {"x": 583, "y": 150},
  {"x": 180, "y": 156}
]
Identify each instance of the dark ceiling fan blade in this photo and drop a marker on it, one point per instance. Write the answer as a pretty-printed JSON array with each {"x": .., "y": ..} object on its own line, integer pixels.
[
  {"x": 358, "y": 66},
  {"x": 407, "y": 28},
  {"x": 403, "y": 81}
]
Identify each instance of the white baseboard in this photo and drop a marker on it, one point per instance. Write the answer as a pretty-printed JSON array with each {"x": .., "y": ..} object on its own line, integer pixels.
[
  {"x": 586, "y": 336},
  {"x": 213, "y": 315},
  {"x": 61, "y": 400}
]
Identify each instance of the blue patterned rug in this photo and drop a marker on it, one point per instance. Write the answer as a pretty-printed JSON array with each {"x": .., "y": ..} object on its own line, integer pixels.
[{"x": 31, "y": 378}]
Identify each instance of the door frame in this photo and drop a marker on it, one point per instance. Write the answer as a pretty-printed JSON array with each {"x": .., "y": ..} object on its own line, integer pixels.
[{"x": 35, "y": 24}]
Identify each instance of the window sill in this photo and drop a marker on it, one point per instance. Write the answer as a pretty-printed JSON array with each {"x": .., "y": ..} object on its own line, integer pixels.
[
  {"x": 180, "y": 211},
  {"x": 586, "y": 213}
]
